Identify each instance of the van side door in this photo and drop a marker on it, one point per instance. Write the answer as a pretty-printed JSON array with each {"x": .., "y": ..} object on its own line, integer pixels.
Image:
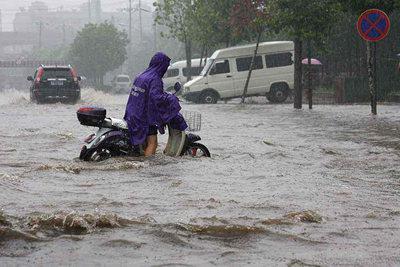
[
  {"x": 220, "y": 78},
  {"x": 258, "y": 81},
  {"x": 280, "y": 67}
]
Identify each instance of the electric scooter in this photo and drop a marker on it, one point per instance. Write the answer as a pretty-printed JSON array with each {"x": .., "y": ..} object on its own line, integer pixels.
[{"x": 112, "y": 139}]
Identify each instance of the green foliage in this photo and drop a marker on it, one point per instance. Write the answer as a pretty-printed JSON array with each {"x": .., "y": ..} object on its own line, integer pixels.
[
  {"x": 222, "y": 21},
  {"x": 307, "y": 20},
  {"x": 98, "y": 49},
  {"x": 250, "y": 16},
  {"x": 176, "y": 16},
  {"x": 359, "y": 6},
  {"x": 204, "y": 24}
]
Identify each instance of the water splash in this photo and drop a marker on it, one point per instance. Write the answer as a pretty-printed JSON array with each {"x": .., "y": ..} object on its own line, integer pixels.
[
  {"x": 111, "y": 165},
  {"x": 14, "y": 97},
  {"x": 90, "y": 96}
]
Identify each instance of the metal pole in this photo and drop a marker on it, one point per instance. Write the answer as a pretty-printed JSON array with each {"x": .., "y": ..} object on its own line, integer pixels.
[
  {"x": 40, "y": 34},
  {"x": 375, "y": 108},
  {"x": 64, "y": 35},
  {"x": 371, "y": 57},
  {"x": 140, "y": 21},
  {"x": 130, "y": 21},
  {"x": 90, "y": 11},
  {"x": 155, "y": 37}
]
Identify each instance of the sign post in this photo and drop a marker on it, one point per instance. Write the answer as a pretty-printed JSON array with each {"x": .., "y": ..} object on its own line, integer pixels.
[{"x": 373, "y": 25}]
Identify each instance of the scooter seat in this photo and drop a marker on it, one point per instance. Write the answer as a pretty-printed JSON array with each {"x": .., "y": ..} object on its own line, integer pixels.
[{"x": 118, "y": 123}]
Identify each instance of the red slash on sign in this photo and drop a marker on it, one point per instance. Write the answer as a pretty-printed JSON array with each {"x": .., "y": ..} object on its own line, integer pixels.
[{"x": 373, "y": 25}]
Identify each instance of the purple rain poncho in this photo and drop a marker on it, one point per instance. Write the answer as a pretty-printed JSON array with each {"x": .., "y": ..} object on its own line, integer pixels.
[{"x": 149, "y": 104}]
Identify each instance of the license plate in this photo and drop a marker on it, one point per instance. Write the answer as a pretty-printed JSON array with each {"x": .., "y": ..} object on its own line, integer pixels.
[{"x": 57, "y": 83}]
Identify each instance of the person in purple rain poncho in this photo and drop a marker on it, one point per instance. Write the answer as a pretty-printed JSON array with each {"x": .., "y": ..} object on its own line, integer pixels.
[{"x": 150, "y": 108}]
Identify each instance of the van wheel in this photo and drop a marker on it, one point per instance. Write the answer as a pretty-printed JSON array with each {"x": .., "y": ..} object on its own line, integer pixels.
[
  {"x": 278, "y": 94},
  {"x": 209, "y": 97}
]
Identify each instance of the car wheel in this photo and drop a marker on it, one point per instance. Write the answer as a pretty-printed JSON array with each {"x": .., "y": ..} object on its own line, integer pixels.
[
  {"x": 278, "y": 94},
  {"x": 209, "y": 97}
]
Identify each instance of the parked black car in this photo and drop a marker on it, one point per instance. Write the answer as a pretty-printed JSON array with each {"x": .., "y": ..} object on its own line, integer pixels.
[{"x": 55, "y": 84}]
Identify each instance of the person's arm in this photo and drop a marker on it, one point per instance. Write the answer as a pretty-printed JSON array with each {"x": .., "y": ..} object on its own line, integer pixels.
[{"x": 167, "y": 105}]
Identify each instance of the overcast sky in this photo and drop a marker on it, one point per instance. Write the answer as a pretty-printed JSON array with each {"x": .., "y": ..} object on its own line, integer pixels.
[{"x": 10, "y": 7}]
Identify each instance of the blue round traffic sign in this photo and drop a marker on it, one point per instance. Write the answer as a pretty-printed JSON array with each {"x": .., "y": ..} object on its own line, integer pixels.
[{"x": 373, "y": 25}]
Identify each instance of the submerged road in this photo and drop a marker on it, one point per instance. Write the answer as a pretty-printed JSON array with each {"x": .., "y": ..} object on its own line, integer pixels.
[{"x": 283, "y": 187}]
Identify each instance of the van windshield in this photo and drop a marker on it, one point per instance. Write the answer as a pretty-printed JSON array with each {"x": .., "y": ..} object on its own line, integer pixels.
[{"x": 207, "y": 67}]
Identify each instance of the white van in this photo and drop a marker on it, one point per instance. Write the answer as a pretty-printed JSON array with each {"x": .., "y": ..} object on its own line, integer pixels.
[
  {"x": 226, "y": 72},
  {"x": 121, "y": 84},
  {"x": 178, "y": 72}
]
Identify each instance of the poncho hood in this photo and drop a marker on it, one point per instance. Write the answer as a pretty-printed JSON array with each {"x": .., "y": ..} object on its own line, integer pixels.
[{"x": 159, "y": 64}]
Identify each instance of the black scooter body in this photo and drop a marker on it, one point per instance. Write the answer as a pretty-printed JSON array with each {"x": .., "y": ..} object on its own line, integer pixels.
[{"x": 113, "y": 140}]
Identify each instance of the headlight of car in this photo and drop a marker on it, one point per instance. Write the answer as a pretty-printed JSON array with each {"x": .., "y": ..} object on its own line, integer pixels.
[{"x": 187, "y": 89}]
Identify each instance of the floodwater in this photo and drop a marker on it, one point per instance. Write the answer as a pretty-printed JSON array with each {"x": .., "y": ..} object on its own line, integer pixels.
[{"x": 283, "y": 187}]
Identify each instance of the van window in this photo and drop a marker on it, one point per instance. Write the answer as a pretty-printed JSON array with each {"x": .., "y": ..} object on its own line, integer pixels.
[
  {"x": 172, "y": 73},
  {"x": 220, "y": 67},
  {"x": 243, "y": 64},
  {"x": 207, "y": 67},
  {"x": 193, "y": 71},
  {"x": 278, "y": 60}
]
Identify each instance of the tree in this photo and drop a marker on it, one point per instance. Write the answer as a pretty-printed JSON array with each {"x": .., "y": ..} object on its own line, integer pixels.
[
  {"x": 98, "y": 49},
  {"x": 197, "y": 23},
  {"x": 308, "y": 21},
  {"x": 357, "y": 7},
  {"x": 176, "y": 16},
  {"x": 204, "y": 26},
  {"x": 223, "y": 26},
  {"x": 249, "y": 16}
]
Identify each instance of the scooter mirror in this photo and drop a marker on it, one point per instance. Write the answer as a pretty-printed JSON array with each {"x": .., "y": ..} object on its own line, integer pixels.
[{"x": 177, "y": 87}]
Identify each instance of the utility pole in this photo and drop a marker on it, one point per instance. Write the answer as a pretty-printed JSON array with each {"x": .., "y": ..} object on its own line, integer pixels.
[
  {"x": 155, "y": 37},
  {"x": 40, "y": 34},
  {"x": 140, "y": 21},
  {"x": 130, "y": 37},
  {"x": 90, "y": 11},
  {"x": 130, "y": 21},
  {"x": 64, "y": 35}
]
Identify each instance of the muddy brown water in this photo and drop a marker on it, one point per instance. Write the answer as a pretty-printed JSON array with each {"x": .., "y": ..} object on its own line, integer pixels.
[{"x": 283, "y": 188}]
